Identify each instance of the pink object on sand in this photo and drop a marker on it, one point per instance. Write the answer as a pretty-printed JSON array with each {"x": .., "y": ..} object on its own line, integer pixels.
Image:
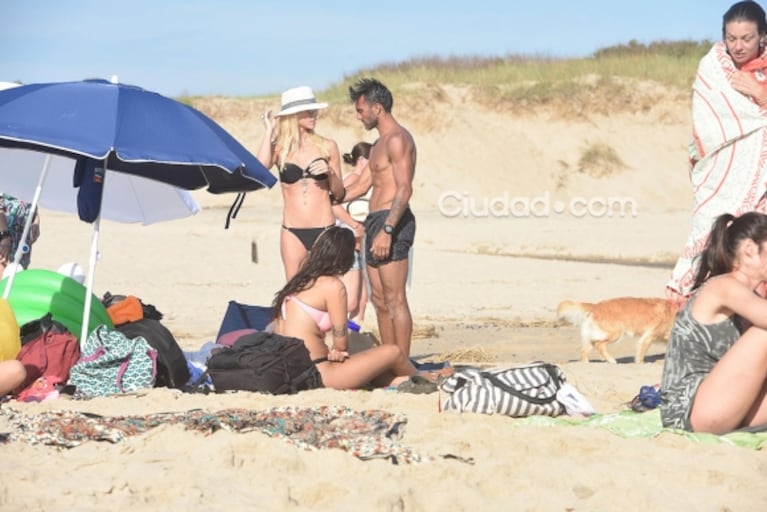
[{"x": 229, "y": 338}]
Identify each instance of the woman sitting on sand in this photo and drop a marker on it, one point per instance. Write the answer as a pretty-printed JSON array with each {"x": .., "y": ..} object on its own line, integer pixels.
[
  {"x": 308, "y": 167},
  {"x": 313, "y": 302},
  {"x": 715, "y": 371}
]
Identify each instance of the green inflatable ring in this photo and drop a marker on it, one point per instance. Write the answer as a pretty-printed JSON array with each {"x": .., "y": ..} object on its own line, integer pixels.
[{"x": 36, "y": 292}]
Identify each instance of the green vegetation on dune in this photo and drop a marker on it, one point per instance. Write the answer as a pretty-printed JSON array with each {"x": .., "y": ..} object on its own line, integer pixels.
[
  {"x": 606, "y": 80},
  {"x": 630, "y": 77}
]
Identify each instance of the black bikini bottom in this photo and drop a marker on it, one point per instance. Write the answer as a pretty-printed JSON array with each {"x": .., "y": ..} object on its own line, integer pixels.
[{"x": 307, "y": 236}]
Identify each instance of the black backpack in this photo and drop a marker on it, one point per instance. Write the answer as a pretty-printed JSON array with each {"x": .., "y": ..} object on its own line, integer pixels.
[
  {"x": 264, "y": 362},
  {"x": 172, "y": 370}
]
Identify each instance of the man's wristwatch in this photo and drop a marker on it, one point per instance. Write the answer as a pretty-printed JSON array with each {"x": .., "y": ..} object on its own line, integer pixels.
[{"x": 388, "y": 229}]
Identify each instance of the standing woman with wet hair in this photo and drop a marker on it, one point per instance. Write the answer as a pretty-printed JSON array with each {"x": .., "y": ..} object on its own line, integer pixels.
[
  {"x": 715, "y": 370},
  {"x": 309, "y": 171},
  {"x": 729, "y": 116},
  {"x": 355, "y": 280}
]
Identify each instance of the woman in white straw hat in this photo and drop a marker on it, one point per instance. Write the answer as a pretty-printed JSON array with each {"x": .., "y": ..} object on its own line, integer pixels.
[{"x": 309, "y": 169}]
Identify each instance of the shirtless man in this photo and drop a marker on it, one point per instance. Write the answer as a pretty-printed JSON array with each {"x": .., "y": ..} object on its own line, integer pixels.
[{"x": 390, "y": 226}]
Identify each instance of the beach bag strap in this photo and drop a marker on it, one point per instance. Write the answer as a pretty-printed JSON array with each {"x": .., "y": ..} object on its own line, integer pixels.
[{"x": 495, "y": 381}]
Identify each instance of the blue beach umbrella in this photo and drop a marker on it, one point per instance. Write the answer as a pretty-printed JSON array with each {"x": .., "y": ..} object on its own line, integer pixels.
[
  {"x": 131, "y": 130},
  {"x": 124, "y": 129}
]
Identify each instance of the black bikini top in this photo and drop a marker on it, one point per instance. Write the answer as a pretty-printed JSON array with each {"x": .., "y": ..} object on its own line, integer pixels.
[{"x": 291, "y": 173}]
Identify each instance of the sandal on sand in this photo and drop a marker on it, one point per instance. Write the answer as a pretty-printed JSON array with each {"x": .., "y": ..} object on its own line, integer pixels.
[{"x": 417, "y": 385}]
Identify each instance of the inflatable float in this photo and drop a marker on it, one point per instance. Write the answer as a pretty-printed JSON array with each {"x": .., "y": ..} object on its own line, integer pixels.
[{"x": 35, "y": 292}]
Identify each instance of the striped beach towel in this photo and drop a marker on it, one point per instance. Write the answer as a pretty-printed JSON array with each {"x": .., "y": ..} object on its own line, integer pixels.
[{"x": 728, "y": 157}]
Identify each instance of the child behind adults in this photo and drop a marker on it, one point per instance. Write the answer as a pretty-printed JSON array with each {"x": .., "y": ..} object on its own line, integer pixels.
[
  {"x": 715, "y": 370},
  {"x": 355, "y": 280},
  {"x": 314, "y": 302}
]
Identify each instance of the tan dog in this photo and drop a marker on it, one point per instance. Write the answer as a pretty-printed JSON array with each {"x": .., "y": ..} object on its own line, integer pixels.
[{"x": 608, "y": 321}]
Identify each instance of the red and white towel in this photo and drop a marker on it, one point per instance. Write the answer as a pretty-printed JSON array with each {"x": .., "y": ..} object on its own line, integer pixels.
[{"x": 728, "y": 158}]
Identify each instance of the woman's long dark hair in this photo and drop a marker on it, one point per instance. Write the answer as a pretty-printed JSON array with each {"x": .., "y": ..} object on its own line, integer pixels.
[
  {"x": 727, "y": 233},
  {"x": 332, "y": 255}
]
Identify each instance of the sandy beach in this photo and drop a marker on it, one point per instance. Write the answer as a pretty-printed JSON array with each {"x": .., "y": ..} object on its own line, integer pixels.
[{"x": 485, "y": 287}]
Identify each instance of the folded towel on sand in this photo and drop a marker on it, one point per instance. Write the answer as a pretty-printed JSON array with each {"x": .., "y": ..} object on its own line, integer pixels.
[{"x": 646, "y": 424}]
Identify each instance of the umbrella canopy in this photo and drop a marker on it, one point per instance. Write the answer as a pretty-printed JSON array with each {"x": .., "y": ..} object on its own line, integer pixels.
[
  {"x": 133, "y": 130},
  {"x": 126, "y": 129},
  {"x": 126, "y": 198}
]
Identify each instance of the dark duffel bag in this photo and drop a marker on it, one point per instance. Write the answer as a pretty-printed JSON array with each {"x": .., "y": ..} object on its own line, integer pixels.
[{"x": 172, "y": 370}]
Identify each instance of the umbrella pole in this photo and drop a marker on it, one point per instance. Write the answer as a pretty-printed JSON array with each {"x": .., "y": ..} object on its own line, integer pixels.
[
  {"x": 92, "y": 264},
  {"x": 89, "y": 285},
  {"x": 27, "y": 225}
]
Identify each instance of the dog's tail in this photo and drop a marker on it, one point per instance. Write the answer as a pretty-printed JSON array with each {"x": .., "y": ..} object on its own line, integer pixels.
[{"x": 573, "y": 312}]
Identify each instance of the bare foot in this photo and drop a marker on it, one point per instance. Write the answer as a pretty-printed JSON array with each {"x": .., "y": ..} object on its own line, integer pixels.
[{"x": 438, "y": 375}]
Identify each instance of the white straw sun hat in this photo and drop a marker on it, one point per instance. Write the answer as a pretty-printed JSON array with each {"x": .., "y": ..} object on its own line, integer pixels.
[{"x": 298, "y": 99}]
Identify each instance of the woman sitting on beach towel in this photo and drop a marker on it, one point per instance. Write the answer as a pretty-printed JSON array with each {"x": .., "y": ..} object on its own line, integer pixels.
[
  {"x": 314, "y": 302},
  {"x": 729, "y": 114},
  {"x": 715, "y": 371}
]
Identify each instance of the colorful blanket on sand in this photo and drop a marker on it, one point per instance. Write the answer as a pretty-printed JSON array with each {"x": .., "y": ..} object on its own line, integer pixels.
[
  {"x": 645, "y": 424},
  {"x": 728, "y": 156},
  {"x": 371, "y": 434}
]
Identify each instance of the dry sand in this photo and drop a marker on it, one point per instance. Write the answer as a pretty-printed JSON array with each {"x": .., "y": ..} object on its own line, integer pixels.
[{"x": 483, "y": 286}]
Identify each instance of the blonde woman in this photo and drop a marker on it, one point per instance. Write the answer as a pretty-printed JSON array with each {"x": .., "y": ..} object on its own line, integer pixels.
[{"x": 308, "y": 166}]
